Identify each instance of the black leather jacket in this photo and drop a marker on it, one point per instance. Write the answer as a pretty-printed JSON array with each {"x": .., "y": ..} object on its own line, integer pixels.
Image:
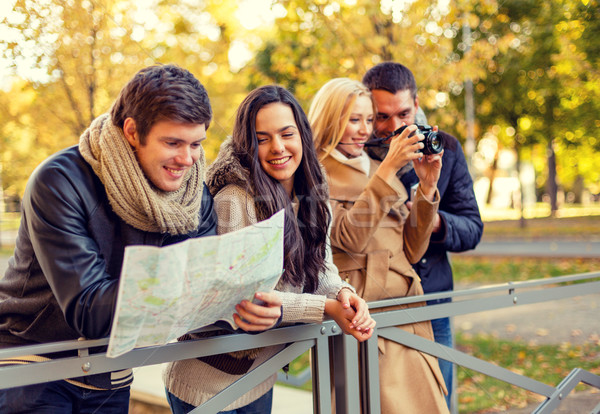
[{"x": 62, "y": 281}]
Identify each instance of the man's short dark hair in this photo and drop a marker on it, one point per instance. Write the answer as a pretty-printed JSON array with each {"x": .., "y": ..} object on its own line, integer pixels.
[
  {"x": 162, "y": 93},
  {"x": 391, "y": 77}
]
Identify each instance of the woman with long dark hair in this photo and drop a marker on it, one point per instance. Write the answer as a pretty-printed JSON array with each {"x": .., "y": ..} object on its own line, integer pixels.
[{"x": 267, "y": 165}]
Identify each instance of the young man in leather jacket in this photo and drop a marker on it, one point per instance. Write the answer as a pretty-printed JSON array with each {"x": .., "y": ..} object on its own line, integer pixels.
[
  {"x": 136, "y": 177},
  {"x": 458, "y": 226}
]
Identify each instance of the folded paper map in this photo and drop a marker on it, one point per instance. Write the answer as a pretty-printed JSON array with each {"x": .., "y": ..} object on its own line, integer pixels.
[{"x": 165, "y": 292}]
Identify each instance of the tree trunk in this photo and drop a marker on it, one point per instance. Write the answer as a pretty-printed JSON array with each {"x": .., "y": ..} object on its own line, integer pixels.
[
  {"x": 551, "y": 185},
  {"x": 522, "y": 222},
  {"x": 492, "y": 176}
]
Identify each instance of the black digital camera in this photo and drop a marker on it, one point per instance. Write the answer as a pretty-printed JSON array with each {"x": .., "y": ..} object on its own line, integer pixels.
[{"x": 433, "y": 141}]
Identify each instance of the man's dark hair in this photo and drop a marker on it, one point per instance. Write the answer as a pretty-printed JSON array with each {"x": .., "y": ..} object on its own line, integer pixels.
[
  {"x": 391, "y": 77},
  {"x": 161, "y": 93}
]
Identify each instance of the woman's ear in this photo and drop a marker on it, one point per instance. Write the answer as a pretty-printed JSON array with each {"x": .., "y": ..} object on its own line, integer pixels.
[{"x": 130, "y": 132}]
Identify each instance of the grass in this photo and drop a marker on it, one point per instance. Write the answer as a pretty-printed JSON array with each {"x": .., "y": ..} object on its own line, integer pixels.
[
  {"x": 298, "y": 365},
  {"x": 491, "y": 270},
  {"x": 6, "y": 251},
  {"x": 8, "y": 222},
  {"x": 539, "y": 210},
  {"x": 574, "y": 228},
  {"x": 478, "y": 393}
]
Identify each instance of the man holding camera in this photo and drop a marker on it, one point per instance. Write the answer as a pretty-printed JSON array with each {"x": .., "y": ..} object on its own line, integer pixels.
[{"x": 458, "y": 226}]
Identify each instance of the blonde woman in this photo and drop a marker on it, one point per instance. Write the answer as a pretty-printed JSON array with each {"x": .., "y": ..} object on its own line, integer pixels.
[{"x": 374, "y": 236}]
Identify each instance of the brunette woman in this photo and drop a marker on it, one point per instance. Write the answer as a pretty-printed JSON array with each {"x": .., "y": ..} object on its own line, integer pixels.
[{"x": 267, "y": 165}]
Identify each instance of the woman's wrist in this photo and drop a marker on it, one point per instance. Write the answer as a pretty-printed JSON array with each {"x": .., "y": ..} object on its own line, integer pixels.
[
  {"x": 428, "y": 191},
  {"x": 387, "y": 171},
  {"x": 329, "y": 304},
  {"x": 348, "y": 288}
]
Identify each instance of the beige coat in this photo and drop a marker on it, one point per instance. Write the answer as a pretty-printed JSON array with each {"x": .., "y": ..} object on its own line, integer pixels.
[{"x": 374, "y": 240}]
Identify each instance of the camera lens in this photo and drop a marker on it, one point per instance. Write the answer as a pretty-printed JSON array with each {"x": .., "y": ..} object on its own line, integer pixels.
[{"x": 433, "y": 143}]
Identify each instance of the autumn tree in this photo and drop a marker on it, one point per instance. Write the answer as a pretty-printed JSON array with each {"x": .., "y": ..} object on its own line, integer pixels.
[
  {"x": 74, "y": 57},
  {"x": 537, "y": 88},
  {"x": 317, "y": 41}
]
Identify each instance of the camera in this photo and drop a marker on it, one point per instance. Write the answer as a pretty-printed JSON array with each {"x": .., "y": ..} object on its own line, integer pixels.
[{"x": 433, "y": 141}]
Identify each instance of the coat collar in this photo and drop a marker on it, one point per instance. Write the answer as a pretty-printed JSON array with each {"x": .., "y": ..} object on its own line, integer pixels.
[
  {"x": 226, "y": 170},
  {"x": 346, "y": 182}
]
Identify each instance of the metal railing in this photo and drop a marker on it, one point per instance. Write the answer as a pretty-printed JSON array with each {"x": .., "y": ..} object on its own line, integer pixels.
[{"x": 353, "y": 393}]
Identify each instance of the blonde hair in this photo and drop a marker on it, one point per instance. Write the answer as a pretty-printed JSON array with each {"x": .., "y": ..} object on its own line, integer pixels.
[{"x": 330, "y": 111}]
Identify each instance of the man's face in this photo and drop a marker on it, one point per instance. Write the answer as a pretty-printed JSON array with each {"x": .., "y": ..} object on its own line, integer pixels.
[
  {"x": 170, "y": 150},
  {"x": 392, "y": 110}
]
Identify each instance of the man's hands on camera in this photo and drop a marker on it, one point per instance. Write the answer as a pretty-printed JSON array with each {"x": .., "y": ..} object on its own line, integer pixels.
[
  {"x": 253, "y": 317},
  {"x": 428, "y": 169},
  {"x": 403, "y": 149}
]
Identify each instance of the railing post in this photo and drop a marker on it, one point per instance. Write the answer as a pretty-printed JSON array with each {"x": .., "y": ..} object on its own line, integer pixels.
[
  {"x": 321, "y": 376},
  {"x": 370, "y": 377},
  {"x": 346, "y": 374}
]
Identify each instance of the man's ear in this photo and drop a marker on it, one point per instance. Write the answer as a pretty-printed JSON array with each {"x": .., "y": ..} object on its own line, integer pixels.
[{"x": 130, "y": 132}]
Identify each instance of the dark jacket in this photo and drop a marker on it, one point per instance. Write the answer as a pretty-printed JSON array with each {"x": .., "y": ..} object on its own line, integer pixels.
[
  {"x": 62, "y": 281},
  {"x": 461, "y": 225}
]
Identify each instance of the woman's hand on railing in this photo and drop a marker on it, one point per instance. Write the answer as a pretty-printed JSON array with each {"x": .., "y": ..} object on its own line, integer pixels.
[
  {"x": 260, "y": 315},
  {"x": 362, "y": 319},
  {"x": 344, "y": 313}
]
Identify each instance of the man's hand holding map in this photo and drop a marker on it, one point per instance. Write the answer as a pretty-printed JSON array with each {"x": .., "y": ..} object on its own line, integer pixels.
[{"x": 168, "y": 291}]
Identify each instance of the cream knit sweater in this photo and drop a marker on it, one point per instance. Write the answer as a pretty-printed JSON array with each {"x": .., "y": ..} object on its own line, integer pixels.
[{"x": 194, "y": 381}]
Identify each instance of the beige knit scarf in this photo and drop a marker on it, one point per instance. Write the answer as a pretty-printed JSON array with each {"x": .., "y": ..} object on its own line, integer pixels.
[{"x": 131, "y": 195}]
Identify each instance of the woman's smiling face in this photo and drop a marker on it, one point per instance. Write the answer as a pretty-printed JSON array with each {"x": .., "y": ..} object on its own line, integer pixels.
[
  {"x": 279, "y": 143},
  {"x": 358, "y": 129}
]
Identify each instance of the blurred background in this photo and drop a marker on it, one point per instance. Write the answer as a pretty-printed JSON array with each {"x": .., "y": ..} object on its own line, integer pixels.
[{"x": 517, "y": 81}]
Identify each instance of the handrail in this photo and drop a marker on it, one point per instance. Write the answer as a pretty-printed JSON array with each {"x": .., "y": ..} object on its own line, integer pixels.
[{"x": 315, "y": 337}]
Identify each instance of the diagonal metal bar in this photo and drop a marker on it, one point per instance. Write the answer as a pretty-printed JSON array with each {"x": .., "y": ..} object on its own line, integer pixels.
[
  {"x": 253, "y": 378},
  {"x": 565, "y": 387},
  {"x": 467, "y": 361}
]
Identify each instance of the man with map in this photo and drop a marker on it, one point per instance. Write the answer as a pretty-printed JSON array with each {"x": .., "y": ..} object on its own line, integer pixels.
[{"x": 135, "y": 178}]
